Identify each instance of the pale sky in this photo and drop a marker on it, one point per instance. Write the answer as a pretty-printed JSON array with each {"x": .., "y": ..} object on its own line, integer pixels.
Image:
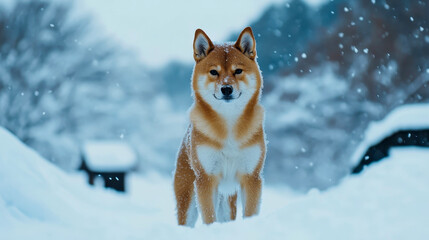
[{"x": 160, "y": 30}]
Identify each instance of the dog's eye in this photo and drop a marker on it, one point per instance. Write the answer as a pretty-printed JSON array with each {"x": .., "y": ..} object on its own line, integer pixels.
[
  {"x": 238, "y": 71},
  {"x": 214, "y": 72}
]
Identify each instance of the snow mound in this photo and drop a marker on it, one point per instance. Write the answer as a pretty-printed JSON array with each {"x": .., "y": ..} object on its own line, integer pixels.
[
  {"x": 39, "y": 201},
  {"x": 109, "y": 156},
  {"x": 406, "y": 117}
]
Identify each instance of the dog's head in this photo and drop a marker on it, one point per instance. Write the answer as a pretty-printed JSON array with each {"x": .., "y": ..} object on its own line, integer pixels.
[{"x": 226, "y": 74}]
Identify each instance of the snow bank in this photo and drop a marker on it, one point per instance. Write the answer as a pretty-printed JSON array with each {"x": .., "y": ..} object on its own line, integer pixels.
[
  {"x": 39, "y": 201},
  {"x": 109, "y": 156},
  {"x": 406, "y": 117}
]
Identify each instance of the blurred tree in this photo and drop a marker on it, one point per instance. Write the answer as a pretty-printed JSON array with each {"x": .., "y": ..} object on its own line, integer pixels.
[
  {"x": 42, "y": 57},
  {"x": 347, "y": 63},
  {"x": 61, "y": 84}
]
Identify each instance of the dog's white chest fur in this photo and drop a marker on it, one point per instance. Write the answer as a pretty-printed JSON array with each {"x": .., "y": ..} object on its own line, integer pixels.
[{"x": 228, "y": 162}]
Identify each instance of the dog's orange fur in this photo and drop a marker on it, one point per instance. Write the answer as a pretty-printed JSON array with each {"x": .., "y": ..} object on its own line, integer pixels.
[{"x": 209, "y": 128}]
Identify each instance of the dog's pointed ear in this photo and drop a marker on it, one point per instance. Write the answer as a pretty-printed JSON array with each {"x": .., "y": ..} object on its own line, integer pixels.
[
  {"x": 202, "y": 45},
  {"x": 246, "y": 43}
]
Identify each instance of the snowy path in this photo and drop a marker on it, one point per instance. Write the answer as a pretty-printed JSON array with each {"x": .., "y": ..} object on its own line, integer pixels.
[{"x": 39, "y": 201}]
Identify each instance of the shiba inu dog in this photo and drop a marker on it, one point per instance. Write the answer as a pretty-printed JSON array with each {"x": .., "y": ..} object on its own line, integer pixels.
[{"x": 224, "y": 148}]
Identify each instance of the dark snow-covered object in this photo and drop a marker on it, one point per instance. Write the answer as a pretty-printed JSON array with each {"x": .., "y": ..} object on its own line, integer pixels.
[
  {"x": 108, "y": 160},
  {"x": 406, "y": 125}
]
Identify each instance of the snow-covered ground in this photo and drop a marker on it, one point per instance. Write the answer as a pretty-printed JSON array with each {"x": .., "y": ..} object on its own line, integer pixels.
[{"x": 39, "y": 201}]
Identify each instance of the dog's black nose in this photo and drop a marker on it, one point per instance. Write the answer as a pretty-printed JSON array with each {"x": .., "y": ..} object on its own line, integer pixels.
[{"x": 226, "y": 90}]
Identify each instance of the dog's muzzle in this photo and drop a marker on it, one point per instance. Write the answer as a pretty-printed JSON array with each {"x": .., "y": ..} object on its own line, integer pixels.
[{"x": 227, "y": 93}]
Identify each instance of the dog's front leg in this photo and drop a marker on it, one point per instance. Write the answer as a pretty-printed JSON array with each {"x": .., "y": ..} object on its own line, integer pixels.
[
  {"x": 206, "y": 188},
  {"x": 251, "y": 186}
]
